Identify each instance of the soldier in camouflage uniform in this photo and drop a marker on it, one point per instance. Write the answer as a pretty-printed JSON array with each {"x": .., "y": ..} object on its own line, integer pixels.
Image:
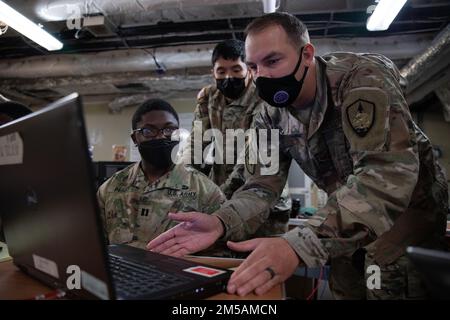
[
  {"x": 135, "y": 201},
  {"x": 232, "y": 104},
  {"x": 344, "y": 119}
]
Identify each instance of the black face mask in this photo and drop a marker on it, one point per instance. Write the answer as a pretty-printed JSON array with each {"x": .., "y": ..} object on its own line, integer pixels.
[
  {"x": 157, "y": 152},
  {"x": 281, "y": 92},
  {"x": 231, "y": 87}
]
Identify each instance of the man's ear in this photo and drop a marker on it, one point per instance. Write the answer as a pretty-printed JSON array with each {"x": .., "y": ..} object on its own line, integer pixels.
[
  {"x": 133, "y": 138},
  {"x": 308, "y": 54},
  {"x": 248, "y": 77}
]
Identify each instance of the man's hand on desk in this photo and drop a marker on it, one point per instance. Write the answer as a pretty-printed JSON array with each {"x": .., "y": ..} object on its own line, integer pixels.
[
  {"x": 271, "y": 262},
  {"x": 195, "y": 232}
]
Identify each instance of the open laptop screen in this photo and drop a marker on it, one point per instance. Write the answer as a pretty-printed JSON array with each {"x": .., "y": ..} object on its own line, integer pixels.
[{"x": 47, "y": 198}]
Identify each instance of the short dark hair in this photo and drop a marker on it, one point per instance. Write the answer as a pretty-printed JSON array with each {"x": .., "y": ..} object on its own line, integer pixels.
[
  {"x": 14, "y": 110},
  {"x": 152, "y": 105},
  {"x": 231, "y": 49},
  {"x": 294, "y": 28}
]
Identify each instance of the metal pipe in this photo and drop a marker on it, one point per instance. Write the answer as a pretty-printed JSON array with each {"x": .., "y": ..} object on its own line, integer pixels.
[
  {"x": 417, "y": 71},
  {"x": 58, "y": 10},
  {"x": 103, "y": 62}
]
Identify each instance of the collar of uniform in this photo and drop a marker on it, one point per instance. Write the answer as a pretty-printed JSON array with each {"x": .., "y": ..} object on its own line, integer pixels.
[
  {"x": 320, "y": 101},
  {"x": 177, "y": 178},
  {"x": 135, "y": 174}
]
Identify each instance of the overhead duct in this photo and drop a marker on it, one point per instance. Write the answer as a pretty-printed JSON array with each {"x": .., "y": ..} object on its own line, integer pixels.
[
  {"x": 149, "y": 12},
  {"x": 131, "y": 60},
  {"x": 164, "y": 88},
  {"x": 422, "y": 71},
  {"x": 59, "y": 10},
  {"x": 443, "y": 95},
  {"x": 104, "y": 62}
]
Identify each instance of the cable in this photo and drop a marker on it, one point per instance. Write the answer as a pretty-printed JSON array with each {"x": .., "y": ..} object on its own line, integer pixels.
[
  {"x": 160, "y": 68},
  {"x": 311, "y": 295},
  {"x": 77, "y": 33}
]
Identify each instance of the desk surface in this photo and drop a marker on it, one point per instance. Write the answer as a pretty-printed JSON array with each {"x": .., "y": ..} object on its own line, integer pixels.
[{"x": 16, "y": 285}]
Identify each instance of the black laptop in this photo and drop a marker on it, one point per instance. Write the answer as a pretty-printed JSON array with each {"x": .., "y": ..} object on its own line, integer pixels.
[
  {"x": 434, "y": 267},
  {"x": 52, "y": 222}
]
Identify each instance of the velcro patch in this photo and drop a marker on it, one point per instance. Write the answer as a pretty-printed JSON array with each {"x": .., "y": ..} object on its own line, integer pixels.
[{"x": 365, "y": 117}]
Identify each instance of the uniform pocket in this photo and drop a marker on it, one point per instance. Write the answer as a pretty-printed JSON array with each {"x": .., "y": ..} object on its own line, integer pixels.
[{"x": 387, "y": 282}]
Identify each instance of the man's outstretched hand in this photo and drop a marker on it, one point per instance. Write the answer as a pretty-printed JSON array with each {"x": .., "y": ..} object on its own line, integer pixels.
[
  {"x": 195, "y": 232},
  {"x": 271, "y": 262}
]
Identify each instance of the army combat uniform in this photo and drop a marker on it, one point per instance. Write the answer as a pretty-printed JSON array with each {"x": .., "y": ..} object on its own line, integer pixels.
[
  {"x": 358, "y": 142},
  {"x": 135, "y": 212},
  {"x": 214, "y": 112}
]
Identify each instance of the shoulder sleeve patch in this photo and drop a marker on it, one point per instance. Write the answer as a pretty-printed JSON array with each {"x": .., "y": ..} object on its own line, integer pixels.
[{"x": 365, "y": 118}]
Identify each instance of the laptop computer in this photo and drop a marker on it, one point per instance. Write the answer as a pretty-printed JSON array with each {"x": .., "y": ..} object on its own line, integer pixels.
[
  {"x": 434, "y": 266},
  {"x": 52, "y": 222}
]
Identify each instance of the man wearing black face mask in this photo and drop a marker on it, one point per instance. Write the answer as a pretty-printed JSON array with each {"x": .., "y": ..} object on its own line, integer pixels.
[
  {"x": 343, "y": 118},
  {"x": 136, "y": 201},
  {"x": 232, "y": 104},
  {"x": 229, "y": 104}
]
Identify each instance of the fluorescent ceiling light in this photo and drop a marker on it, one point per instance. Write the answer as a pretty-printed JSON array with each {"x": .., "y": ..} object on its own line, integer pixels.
[
  {"x": 384, "y": 14},
  {"x": 28, "y": 28}
]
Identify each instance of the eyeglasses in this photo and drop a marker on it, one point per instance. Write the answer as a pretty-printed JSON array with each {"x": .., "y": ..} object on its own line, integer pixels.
[{"x": 152, "y": 132}]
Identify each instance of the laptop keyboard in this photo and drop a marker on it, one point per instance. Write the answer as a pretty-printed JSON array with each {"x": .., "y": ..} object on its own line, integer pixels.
[{"x": 133, "y": 279}]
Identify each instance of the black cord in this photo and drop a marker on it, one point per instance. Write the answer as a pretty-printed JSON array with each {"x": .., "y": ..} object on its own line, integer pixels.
[{"x": 153, "y": 55}]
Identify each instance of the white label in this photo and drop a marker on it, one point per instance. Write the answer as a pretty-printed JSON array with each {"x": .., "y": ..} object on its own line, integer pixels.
[
  {"x": 95, "y": 286},
  {"x": 46, "y": 265},
  {"x": 11, "y": 149}
]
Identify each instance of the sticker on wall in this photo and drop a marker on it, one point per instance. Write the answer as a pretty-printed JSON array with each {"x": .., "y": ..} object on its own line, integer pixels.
[
  {"x": 11, "y": 149},
  {"x": 119, "y": 152}
]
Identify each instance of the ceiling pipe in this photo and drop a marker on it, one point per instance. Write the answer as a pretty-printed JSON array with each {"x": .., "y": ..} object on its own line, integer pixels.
[
  {"x": 135, "y": 60},
  {"x": 104, "y": 62},
  {"x": 434, "y": 59},
  {"x": 58, "y": 10}
]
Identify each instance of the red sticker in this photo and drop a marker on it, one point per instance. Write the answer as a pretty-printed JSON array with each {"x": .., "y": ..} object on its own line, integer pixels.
[{"x": 204, "y": 271}]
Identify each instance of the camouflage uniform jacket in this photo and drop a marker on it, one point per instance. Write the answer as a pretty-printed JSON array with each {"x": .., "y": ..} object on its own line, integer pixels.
[
  {"x": 135, "y": 211},
  {"x": 386, "y": 190},
  {"x": 215, "y": 112}
]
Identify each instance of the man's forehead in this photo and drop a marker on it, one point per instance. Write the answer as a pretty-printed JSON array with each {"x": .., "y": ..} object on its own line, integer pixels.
[
  {"x": 263, "y": 54},
  {"x": 268, "y": 41},
  {"x": 221, "y": 62},
  {"x": 158, "y": 117},
  {"x": 273, "y": 31}
]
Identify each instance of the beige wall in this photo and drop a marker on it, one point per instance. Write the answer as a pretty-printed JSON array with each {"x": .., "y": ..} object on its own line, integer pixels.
[
  {"x": 438, "y": 130},
  {"x": 106, "y": 129}
]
